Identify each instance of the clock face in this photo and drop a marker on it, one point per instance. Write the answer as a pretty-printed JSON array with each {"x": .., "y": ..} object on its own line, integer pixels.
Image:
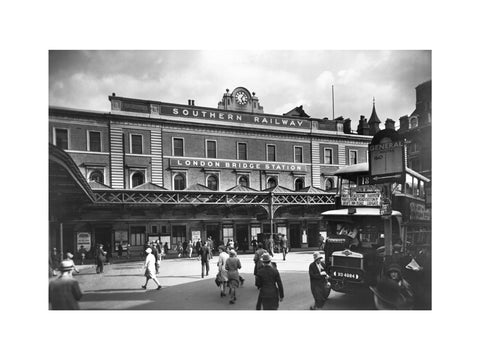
[{"x": 241, "y": 98}]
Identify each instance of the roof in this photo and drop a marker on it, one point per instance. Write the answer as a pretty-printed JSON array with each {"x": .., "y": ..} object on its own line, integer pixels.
[
  {"x": 360, "y": 211},
  {"x": 242, "y": 189},
  {"x": 149, "y": 186},
  {"x": 374, "y": 117},
  {"x": 312, "y": 189},
  {"x": 278, "y": 189},
  {"x": 198, "y": 187},
  {"x": 357, "y": 168},
  {"x": 96, "y": 185}
]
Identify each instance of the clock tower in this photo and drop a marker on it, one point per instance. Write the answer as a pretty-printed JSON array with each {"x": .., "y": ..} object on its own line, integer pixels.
[{"x": 240, "y": 99}]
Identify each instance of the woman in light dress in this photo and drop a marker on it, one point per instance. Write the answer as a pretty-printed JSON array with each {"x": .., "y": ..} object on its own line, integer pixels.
[{"x": 222, "y": 271}]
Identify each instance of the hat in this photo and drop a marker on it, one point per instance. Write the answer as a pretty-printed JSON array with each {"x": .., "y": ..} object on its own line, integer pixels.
[
  {"x": 266, "y": 257},
  {"x": 66, "y": 265},
  {"x": 232, "y": 252},
  {"x": 317, "y": 255},
  {"x": 69, "y": 255},
  {"x": 393, "y": 267},
  {"x": 148, "y": 250},
  {"x": 221, "y": 248}
]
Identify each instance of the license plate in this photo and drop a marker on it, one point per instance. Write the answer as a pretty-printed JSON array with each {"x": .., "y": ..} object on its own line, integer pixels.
[{"x": 346, "y": 275}]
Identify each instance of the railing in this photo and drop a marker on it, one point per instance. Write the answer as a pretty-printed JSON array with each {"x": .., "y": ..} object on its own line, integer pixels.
[{"x": 155, "y": 197}]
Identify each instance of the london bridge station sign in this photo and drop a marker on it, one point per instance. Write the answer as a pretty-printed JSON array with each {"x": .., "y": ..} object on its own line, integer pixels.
[{"x": 176, "y": 162}]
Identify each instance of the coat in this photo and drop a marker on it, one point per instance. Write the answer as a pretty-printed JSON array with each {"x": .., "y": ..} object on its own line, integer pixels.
[
  {"x": 317, "y": 281},
  {"x": 269, "y": 282},
  {"x": 64, "y": 293},
  {"x": 222, "y": 261},
  {"x": 205, "y": 253},
  {"x": 232, "y": 264},
  {"x": 150, "y": 270}
]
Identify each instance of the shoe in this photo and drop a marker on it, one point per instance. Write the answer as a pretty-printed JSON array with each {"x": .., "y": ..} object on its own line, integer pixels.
[
  {"x": 144, "y": 286},
  {"x": 202, "y": 276},
  {"x": 159, "y": 287},
  {"x": 232, "y": 302},
  {"x": 242, "y": 281},
  {"x": 235, "y": 298}
]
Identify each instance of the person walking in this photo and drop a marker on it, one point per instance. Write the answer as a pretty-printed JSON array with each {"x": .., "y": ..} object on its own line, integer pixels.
[
  {"x": 180, "y": 249},
  {"x": 222, "y": 275},
  {"x": 165, "y": 248},
  {"x": 64, "y": 291},
  {"x": 232, "y": 265},
  {"x": 269, "y": 245},
  {"x": 83, "y": 254},
  {"x": 257, "y": 259},
  {"x": 198, "y": 247},
  {"x": 120, "y": 250},
  {"x": 205, "y": 258},
  {"x": 150, "y": 270},
  {"x": 69, "y": 256},
  {"x": 189, "y": 248},
  {"x": 100, "y": 258},
  {"x": 319, "y": 284},
  {"x": 270, "y": 284},
  {"x": 53, "y": 263},
  {"x": 283, "y": 246},
  {"x": 210, "y": 245},
  {"x": 156, "y": 255},
  {"x": 128, "y": 251}
]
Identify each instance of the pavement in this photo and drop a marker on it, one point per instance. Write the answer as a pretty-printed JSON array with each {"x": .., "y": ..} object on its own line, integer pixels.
[{"x": 183, "y": 288}]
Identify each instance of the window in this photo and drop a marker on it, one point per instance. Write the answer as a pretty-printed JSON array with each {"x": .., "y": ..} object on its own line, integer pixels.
[
  {"x": 138, "y": 178},
  {"x": 299, "y": 184},
  {"x": 413, "y": 122},
  {"x": 94, "y": 141},
  {"x": 242, "y": 151},
  {"x": 227, "y": 234},
  {"x": 137, "y": 235},
  {"x": 97, "y": 176},
  {"x": 271, "y": 153},
  {"x": 211, "y": 149},
  {"x": 409, "y": 184},
  {"x": 154, "y": 229},
  {"x": 298, "y": 150},
  {"x": 243, "y": 181},
  {"x": 61, "y": 138},
  {"x": 179, "y": 182},
  {"x": 212, "y": 182},
  {"x": 136, "y": 144},
  {"x": 353, "y": 157},
  {"x": 179, "y": 234},
  {"x": 327, "y": 156},
  {"x": 329, "y": 184},
  {"x": 271, "y": 182},
  {"x": 177, "y": 147}
]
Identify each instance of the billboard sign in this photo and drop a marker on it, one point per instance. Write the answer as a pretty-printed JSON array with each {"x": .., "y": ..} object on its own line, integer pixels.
[{"x": 386, "y": 156}]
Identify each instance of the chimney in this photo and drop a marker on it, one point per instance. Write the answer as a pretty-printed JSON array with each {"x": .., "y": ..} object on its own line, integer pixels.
[
  {"x": 362, "y": 128},
  {"x": 191, "y": 102},
  {"x": 390, "y": 124},
  {"x": 404, "y": 123},
  {"x": 347, "y": 126}
]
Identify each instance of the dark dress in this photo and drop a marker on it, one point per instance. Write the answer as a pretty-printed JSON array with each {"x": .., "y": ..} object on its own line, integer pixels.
[
  {"x": 317, "y": 284},
  {"x": 271, "y": 288}
]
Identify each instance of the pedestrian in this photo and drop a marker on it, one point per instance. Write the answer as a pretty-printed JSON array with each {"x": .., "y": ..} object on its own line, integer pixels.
[
  {"x": 270, "y": 284},
  {"x": 64, "y": 291},
  {"x": 232, "y": 265},
  {"x": 184, "y": 247},
  {"x": 156, "y": 255},
  {"x": 165, "y": 248},
  {"x": 69, "y": 256},
  {"x": 222, "y": 275},
  {"x": 321, "y": 242},
  {"x": 230, "y": 245},
  {"x": 128, "y": 251},
  {"x": 269, "y": 245},
  {"x": 100, "y": 257},
  {"x": 283, "y": 246},
  {"x": 258, "y": 257},
  {"x": 83, "y": 254},
  {"x": 180, "y": 249},
  {"x": 393, "y": 292},
  {"x": 319, "y": 284},
  {"x": 189, "y": 248},
  {"x": 254, "y": 245},
  {"x": 53, "y": 263},
  {"x": 120, "y": 250},
  {"x": 150, "y": 269},
  {"x": 205, "y": 258},
  {"x": 108, "y": 254},
  {"x": 198, "y": 246}
]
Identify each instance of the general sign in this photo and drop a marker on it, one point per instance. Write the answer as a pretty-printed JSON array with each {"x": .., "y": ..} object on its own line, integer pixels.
[
  {"x": 236, "y": 164},
  {"x": 386, "y": 156}
]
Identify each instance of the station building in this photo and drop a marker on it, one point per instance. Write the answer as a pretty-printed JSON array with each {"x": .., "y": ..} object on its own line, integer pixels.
[{"x": 151, "y": 170}]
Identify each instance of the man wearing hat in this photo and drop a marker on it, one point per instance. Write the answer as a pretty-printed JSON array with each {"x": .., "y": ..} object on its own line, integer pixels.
[
  {"x": 205, "y": 255},
  {"x": 270, "y": 284},
  {"x": 392, "y": 292},
  {"x": 318, "y": 281},
  {"x": 64, "y": 291}
]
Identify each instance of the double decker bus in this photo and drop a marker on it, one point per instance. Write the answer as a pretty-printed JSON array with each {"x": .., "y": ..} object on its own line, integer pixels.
[{"x": 373, "y": 222}]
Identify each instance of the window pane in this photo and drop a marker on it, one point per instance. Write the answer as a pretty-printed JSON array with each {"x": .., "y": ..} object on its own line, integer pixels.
[
  {"x": 242, "y": 151},
  {"x": 137, "y": 144},
  {"x": 211, "y": 149},
  {"x": 212, "y": 182},
  {"x": 243, "y": 181},
  {"x": 177, "y": 147},
  {"x": 137, "y": 179},
  {"x": 94, "y": 137},
  {"x": 61, "y": 138},
  {"x": 298, "y": 155},
  {"x": 353, "y": 157},
  {"x": 179, "y": 182},
  {"x": 271, "y": 153},
  {"x": 271, "y": 182},
  {"x": 328, "y": 156},
  {"x": 299, "y": 184},
  {"x": 97, "y": 176}
]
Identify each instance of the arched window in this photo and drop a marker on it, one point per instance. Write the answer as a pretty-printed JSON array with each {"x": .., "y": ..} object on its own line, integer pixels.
[
  {"x": 243, "y": 181},
  {"x": 96, "y": 175},
  {"x": 299, "y": 184},
  {"x": 271, "y": 182},
  {"x": 212, "y": 182},
  {"x": 179, "y": 182},
  {"x": 137, "y": 179},
  {"x": 329, "y": 184}
]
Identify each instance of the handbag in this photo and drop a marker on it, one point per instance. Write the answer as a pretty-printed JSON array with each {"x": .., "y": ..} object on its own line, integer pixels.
[{"x": 218, "y": 280}]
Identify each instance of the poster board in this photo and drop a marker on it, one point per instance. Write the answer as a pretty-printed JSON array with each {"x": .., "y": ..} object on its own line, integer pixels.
[{"x": 85, "y": 239}]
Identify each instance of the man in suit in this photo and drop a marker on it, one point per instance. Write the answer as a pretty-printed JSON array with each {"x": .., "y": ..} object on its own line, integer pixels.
[
  {"x": 270, "y": 284},
  {"x": 205, "y": 254},
  {"x": 318, "y": 281}
]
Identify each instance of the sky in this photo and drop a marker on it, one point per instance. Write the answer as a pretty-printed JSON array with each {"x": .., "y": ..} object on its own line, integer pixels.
[{"x": 281, "y": 79}]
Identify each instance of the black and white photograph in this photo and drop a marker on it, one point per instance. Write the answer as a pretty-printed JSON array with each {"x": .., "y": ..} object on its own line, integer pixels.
[
  {"x": 303, "y": 185},
  {"x": 209, "y": 161}
]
